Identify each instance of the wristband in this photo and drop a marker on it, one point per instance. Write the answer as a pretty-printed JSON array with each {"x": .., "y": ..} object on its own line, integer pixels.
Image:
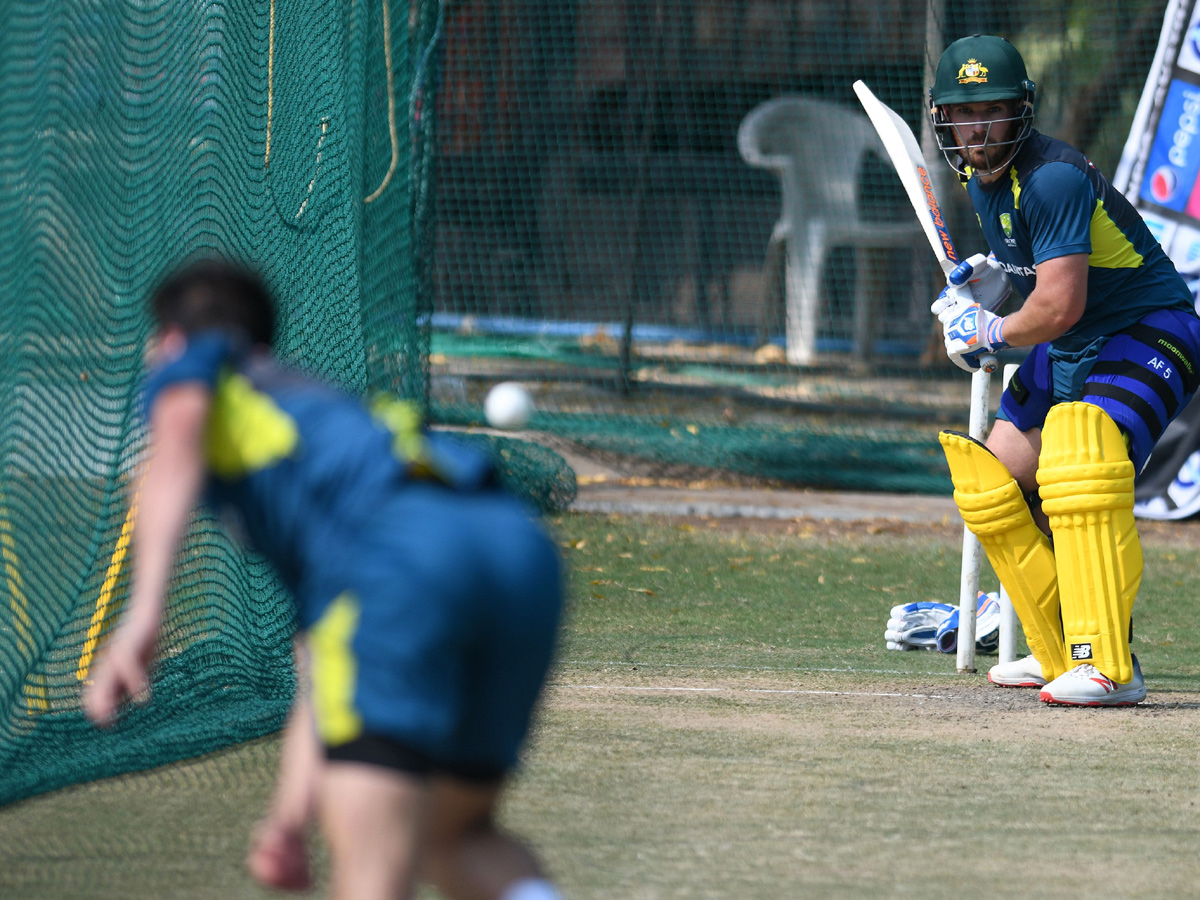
[{"x": 995, "y": 333}]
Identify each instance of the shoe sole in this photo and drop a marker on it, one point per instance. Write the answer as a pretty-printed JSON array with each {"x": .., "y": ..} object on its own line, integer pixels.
[
  {"x": 1016, "y": 684},
  {"x": 1050, "y": 700}
]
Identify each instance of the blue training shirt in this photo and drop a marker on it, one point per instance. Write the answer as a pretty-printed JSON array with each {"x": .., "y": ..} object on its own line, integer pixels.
[
  {"x": 1053, "y": 202},
  {"x": 300, "y": 468}
]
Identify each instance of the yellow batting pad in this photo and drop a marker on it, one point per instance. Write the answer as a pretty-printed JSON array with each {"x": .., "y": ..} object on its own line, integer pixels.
[
  {"x": 994, "y": 509},
  {"x": 1086, "y": 480}
]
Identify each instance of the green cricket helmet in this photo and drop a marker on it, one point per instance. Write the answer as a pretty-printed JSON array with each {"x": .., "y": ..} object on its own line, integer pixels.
[{"x": 977, "y": 69}]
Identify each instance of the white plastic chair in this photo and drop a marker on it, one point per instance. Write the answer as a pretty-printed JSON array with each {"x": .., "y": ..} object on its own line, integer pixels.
[{"x": 816, "y": 148}]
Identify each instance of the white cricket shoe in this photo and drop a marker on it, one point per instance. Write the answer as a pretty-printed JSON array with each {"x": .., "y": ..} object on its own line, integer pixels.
[
  {"x": 1021, "y": 673},
  {"x": 1087, "y": 686}
]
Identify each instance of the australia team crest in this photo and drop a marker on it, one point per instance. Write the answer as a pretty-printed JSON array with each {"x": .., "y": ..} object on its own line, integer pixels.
[
  {"x": 972, "y": 72},
  {"x": 1007, "y": 227}
]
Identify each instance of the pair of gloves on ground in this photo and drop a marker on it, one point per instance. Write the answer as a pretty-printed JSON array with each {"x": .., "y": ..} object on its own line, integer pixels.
[
  {"x": 934, "y": 626},
  {"x": 974, "y": 288}
]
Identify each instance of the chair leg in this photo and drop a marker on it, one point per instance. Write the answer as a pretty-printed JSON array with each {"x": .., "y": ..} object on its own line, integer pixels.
[
  {"x": 869, "y": 285},
  {"x": 805, "y": 258},
  {"x": 772, "y": 265}
]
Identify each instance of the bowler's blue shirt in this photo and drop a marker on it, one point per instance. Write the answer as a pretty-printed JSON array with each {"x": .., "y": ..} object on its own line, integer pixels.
[{"x": 301, "y": 469}]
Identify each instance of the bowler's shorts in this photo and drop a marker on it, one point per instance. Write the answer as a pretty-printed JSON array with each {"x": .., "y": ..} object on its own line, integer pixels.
[
  {"x": 1142, "y": 377},
  {"x": 433, "y": 656}
]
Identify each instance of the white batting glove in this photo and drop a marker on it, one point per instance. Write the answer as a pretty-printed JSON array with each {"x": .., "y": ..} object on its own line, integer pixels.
[
  {"x": 987, "y": 625},
  {"x": 969, "y": 332},
  {"x": 951, "y": 301},
  {"x": 914, "y": 626},
  {"x": 985, "y": 277},
  {"x": 978, "y": 279}
]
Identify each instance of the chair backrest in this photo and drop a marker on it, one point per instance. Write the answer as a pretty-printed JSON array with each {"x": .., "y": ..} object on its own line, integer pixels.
[{"x": 816, "y": 148}]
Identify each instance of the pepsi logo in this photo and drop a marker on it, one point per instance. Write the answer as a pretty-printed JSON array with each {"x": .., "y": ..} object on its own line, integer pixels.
[{"x": 1163, "y": 183}]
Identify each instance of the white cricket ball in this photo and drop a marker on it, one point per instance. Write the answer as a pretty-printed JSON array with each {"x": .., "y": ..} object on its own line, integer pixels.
[{"x": 508, "y": 406}]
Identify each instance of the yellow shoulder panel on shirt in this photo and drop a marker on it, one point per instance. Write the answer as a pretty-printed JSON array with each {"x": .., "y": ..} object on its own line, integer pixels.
[
  {"x": 1016, "y": 187},
  {"x": 246, "y": 430},
  {"x": 403, "y": 419},
  {"x": 1110, "y": 248}
]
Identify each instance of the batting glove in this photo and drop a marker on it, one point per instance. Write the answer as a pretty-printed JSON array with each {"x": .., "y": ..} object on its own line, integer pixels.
[
  {"x": 953, "y": 299},
  {"x": 914, "y": 626},
  {"x": 985, "y": 277},
  {"x": 971, "y": 332},
  {"x": 987, "y": 626},
  {"x": 977, "y": 279}
]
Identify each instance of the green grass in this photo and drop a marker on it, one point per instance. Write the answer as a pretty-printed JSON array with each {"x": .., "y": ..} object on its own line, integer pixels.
[
  {"x": 682, "y": 595},
  {"x": 724, "y": 722}
]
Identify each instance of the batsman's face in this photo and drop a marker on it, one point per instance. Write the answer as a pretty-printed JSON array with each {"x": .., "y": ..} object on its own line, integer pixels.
[{"x": 985, "y": 131}]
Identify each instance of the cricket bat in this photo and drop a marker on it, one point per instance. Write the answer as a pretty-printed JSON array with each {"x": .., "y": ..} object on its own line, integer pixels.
[{"x": 905, "y": 153}]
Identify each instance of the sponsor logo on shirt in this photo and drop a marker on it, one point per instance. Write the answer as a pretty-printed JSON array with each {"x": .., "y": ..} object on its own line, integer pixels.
[{"x": 1017, "y": 270}]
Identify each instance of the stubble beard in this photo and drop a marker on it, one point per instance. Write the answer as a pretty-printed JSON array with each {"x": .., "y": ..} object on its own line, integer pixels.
[{"x": 986, "y": 157}]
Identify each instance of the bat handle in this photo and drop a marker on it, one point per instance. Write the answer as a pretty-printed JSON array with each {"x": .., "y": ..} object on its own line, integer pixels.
[{"x": 988, "y": 363}]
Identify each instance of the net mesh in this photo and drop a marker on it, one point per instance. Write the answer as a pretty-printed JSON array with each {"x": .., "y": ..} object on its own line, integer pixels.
[
  {"x": 605, "y": 234},
  {"x": 445, "y": 196},
  {"x": 143, "y": 133}
]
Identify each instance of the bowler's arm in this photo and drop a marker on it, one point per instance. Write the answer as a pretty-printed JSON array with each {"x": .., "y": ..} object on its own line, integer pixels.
[{"x": 168, "y": 488}]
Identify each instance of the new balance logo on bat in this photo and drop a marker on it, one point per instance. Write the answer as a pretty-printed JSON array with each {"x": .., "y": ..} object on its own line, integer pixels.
[{"x": 935, "y": 211}]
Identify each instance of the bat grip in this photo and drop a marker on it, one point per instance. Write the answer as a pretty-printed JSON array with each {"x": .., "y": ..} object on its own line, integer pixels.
[{"x": 988, "y": 363}]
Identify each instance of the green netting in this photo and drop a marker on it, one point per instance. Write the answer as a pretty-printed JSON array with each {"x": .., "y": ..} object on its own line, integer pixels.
[
  {"x": 600, "y": 236},
  {"x": 281, "y": 132},
  {"x": 273, "y": 131},
  {"x": 576, "y": 215}
]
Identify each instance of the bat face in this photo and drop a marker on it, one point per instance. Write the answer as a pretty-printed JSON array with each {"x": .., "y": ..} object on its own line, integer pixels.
[{"x": 905, "y": 153}]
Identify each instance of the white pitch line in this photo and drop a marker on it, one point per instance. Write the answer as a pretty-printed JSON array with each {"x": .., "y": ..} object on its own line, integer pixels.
[
  {"x": 844, "y": 670},
  {"x": 731, "y": 690}
]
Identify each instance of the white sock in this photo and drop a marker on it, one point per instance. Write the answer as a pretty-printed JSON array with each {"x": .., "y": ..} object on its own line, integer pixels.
[{"x": 531, "y": 889}]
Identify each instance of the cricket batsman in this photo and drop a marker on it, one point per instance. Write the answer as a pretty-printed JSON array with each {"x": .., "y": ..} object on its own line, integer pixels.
[{"x": 1114, "y": 347}]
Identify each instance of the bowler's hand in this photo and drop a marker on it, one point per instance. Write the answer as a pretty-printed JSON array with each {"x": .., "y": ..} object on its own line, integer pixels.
[
  {"x": 278, "y": 858},
  {"x": 120, "y": 674}
]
